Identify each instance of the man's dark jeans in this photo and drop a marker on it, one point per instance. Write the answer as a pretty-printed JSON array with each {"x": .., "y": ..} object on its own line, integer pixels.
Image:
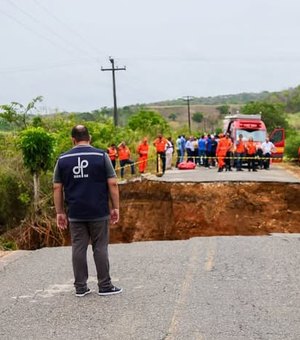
[
  {"x": 267, "y": 160},
  {"x": 123, "y": 162},
  {"x": 162, "y": 156},
  {"x": 239, "y": 160},
  {"x": 178, "y": 157},
  {"x": 81, "y": 234}
]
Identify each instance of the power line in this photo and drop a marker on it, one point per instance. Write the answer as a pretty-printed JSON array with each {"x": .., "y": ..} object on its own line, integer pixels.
[
  {"x": 29, "y": 29},
  {"x": 114, "y": 69},
  {"x": 72, "y": 30},
  {"x": 36, "y": 68},
  {"x": 47, "y": 27}
]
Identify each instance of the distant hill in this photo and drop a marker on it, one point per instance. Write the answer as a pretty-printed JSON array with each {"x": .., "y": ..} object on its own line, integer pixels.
[
  {"x": 175, "y": 111},
  {"x": 230, "y": 99},
  {"x": 290, "y": 98},
  {"x": 210, "y": 113}
]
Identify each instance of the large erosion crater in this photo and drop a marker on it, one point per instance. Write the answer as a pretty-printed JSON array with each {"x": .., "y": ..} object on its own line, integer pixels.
[{"x": 153, "y": 210}]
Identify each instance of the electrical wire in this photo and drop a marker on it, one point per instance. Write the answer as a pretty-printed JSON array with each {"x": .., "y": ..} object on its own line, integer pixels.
[
  {"x": 30, "y": 29},
  {"x": 39, "y": 68},
  {"x": 69, "y": 28},
  {"x": 48, "y": 28}
]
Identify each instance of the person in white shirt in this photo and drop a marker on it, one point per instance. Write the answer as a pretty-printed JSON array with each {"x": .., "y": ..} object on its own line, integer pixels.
[
  {"x": 267, "y": 148},
  {"x": 169, "y": 153},
  {"x": 189, "y": 146},
  {"x": 178, "y": 150}
]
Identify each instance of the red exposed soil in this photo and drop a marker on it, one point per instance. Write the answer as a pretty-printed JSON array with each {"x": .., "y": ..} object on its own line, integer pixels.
[
  {"x": 170, "y": 211},
  {"x": 152, "y": 210}
]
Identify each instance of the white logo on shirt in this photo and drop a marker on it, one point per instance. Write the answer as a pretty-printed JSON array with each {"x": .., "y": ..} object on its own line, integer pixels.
[{"x": 78, "y": 169}]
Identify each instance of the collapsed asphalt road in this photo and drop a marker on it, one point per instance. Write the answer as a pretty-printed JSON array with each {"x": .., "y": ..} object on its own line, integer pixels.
[{"x": 189, "y": 203}]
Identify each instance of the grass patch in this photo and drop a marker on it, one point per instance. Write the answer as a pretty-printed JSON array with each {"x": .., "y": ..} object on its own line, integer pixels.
[{"x": 7, "y": 244}]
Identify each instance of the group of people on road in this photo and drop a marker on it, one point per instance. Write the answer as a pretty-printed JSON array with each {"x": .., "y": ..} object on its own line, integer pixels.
[
  {"x": 199, "y": 150},
  {"x": 209, "y": 150},
  {"x": 231, "y": 154},
  {"x": 164, "y": 149}
]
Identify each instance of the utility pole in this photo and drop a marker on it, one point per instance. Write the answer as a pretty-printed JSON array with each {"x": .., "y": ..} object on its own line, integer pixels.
[
  {"x": 187, "y": 99},
  {"x": 114, "y": 69}
]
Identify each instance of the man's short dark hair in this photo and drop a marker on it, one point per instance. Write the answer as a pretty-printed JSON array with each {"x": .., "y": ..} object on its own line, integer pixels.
[{"x": 80, "y": 133}]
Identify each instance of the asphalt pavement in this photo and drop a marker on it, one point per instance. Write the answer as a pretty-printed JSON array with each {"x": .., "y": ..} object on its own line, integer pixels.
[
  {"x": 213, "y": 288},
  {"x": 201, "y": 174}
]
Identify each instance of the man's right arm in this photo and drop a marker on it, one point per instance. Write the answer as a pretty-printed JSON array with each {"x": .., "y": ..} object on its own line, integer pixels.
[
  {"x": 61, "y": 218},
  {"x": 58, "y": 197},
  {"x": 113, "y": 190}
]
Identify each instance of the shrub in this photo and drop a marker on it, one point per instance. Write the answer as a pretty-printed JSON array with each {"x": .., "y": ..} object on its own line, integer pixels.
[
  {"x": 12, "y": 203},
  {"x": 292, "y": 145}
]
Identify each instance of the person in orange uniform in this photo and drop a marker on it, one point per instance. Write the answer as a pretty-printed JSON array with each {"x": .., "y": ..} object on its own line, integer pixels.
[
  {"x": 229, "y": 153},
  {"x": 113, "y": 154},
  {"x": 224, "y": 145},
  {"x": 240, "y": 152},
  {"x": 160, "y": 144},
  {"x": 251, "y": 153},
  {"x": 124, "y": 158},
  {"x": 142, "y": 150}
]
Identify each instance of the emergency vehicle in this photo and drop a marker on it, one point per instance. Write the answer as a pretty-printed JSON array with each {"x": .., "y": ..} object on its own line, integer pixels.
[{"x": 253, "y": 126}]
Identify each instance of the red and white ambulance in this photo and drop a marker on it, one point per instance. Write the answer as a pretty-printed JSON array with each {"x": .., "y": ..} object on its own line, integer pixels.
[{"x": 253, "y": 126}]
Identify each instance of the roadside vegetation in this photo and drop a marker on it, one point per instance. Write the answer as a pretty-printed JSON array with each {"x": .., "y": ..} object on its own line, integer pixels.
[{"x": 30, "y": 144}]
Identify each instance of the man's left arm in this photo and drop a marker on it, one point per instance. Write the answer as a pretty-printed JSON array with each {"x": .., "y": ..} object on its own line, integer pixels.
[{"x": 113, "y": 190}]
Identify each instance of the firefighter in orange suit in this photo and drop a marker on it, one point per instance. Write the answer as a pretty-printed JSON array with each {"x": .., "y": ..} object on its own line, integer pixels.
[
  {"x": 251, "y": 153},
  {"x": 224, "y": 145},
  {"x": 142, "y": 150},
  {"x": 124, "y": 158},
  {"x": 113, "y": 154},
  {"x": 229, "y": 153},
  {"x": 160, "y": 144},
  {"x": 239, "y": 152}
]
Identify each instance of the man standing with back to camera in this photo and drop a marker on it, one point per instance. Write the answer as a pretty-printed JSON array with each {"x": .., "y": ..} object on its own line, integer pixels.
[{"x": 86, "y": 179}]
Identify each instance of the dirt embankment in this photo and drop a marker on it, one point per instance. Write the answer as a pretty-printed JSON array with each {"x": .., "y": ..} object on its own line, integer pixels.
[
  {"x": 152, "y": 210},
  {"x": 172, "y": 211}
]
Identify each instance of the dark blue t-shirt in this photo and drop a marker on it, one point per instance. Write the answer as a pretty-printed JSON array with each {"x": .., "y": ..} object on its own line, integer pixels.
[{"x": 82, "y": 172}]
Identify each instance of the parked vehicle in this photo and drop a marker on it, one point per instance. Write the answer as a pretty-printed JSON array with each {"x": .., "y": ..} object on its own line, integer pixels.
[{"x": 253, "y": 126}]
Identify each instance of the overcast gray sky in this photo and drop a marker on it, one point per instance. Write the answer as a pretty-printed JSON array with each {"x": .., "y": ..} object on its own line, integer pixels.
[{"x": 171, "y": 48}]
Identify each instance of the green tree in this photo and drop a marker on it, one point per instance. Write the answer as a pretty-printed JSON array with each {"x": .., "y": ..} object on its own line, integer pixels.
[
  {"x": 293, "y": 101},
  {"x": 4, "y": 125},
  {"x": 37, "y": 121},
  {"x": 37, "y": 148},
  {"x": 86, "y": 116},
  {"x": 173, "y": 116},
  {"x": 272, "y": 114},
  {"x": 289, "y": 98},
  {"x": 197, "y": 117},
  {"x": 17, "y": 114},
  {"x": 127, "y": 111},
  {"x": 148, "y": 121},
  {"x": 223, "y": 109}
]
